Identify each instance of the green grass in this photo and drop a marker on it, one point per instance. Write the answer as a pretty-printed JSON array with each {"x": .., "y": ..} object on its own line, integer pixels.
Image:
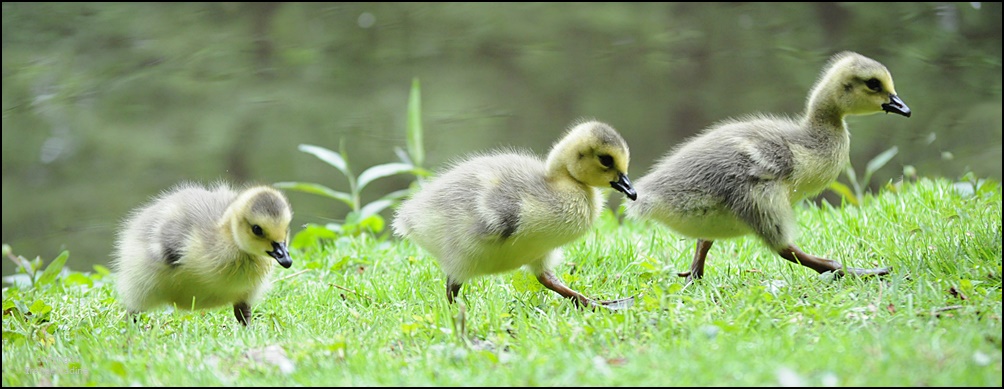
[{"x": 361, "y": 311}]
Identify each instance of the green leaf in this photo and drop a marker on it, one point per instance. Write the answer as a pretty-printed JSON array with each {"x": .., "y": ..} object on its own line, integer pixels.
[
  {"x": 12, "y": 336},
  {"x": 396, "y": 195},
  {"x": 335, "y": 227},
  {"x": 317, "y": 189},
  {"x": 372, "y": 223},
  {"x": 525, "y": 282},
  {"x": 78, "y": 279},
  {"x": 101, "y": 270},
  {"x": 311, "y": 235},
  {"x": 380, "y": 171},
  {"x": 53, "y": 269},
  {"x": 986, "y": 187},
  {"x": 844, "y": 192},
  {"x": 331, "y": 157},
  {"x": 415, "y": 147},
  {"x": 878, "y": 162},
  {"x": 39, "y": 308},
  {"x": 118, "y": 368},
  {"x": 374, "y": 208}
]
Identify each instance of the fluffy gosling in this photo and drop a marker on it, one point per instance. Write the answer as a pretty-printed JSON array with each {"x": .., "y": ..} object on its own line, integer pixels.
[
  {"x": 743, "y": 176},
  {"x": 197, "y": 247},
  {"x": 498, "y": 211}
]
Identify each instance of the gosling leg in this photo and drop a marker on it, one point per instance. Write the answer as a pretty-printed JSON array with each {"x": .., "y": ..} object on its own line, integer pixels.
[
  {"x": 134, "y": 315},
  {"x": 697, "y": 266},
  {"x": 821, "y": 265},
  {"x": 552, "y": 282},
  {"x": 452, "y": 289},
  {"x": 242, "y": 311}
]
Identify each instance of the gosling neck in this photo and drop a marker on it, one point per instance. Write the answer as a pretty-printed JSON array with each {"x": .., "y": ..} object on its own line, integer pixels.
[
  {"x": 824, "y": 116},
  {"x": 228, "y": 229},
  {"x": 560, "y": 176}
]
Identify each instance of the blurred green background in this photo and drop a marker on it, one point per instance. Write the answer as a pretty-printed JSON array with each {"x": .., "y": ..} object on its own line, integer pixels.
[{"x": 106, "y": 105}]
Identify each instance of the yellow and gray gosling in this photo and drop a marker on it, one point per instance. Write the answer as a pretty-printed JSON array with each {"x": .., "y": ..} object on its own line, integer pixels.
[
  {"x": 498, "y": 211},
  {"x": 197, "y": 247},
  {"x": 743, "y": 176}
]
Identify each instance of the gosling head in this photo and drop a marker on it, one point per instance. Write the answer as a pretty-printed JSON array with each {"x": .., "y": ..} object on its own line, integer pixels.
[
  {"x": 858, "y": 85},
  {"x": 595, "y": 154},
  {"x": 259, "y": 222}
]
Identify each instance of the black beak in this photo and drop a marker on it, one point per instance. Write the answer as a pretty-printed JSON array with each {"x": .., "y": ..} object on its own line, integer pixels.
[
  {"x": 896, "y": 105},
  {"x": 280, "y": 254},
  {"x": 623, "y": 184}
]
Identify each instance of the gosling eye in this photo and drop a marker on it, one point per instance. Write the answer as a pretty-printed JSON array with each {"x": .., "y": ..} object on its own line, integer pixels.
[
  {"x": 257, "y": 231},
  {"x": 874, "y": 84},
  {"x": 607, "y": 161}
]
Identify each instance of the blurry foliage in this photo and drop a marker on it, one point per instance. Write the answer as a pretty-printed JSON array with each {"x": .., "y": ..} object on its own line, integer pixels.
[
  {"x": 363, "y": 218},
  {"x": 26, "y": 313},
  {"x": 29, "y": 273},
  {"x": 105, "y": 104},
  {"x": 855, "y": 194}
]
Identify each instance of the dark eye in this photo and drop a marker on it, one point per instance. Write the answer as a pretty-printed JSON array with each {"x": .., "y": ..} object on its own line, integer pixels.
[
  {"x": 256, "y": 229},
  {"x": 874, "y": 84},
  {"x": 606, "y": 160}
]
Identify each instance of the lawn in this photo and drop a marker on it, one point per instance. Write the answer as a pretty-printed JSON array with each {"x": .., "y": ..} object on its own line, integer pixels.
[{"x": 366, "y": 311}]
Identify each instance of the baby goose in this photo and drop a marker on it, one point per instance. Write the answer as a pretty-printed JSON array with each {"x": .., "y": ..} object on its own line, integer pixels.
[
  {"x": 743, "y": 176},
  {"x": 496, "y": 212},
  {"x": 198, "y": 247}
]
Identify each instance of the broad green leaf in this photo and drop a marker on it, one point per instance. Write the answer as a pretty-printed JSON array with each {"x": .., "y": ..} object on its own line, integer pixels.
[
  {"x": 987, "y": 186},
  {"x": 878, "y": 162},
  {"x": 396, "y": 195},
  {"x": 524, "y": 282},
  {"x": 415, "y": 147},
  {"x": 101, "y": 270},
  {"x": 844, "y": 192},
  {"x": 421, "y": 172},
  {"x": 310, "y": 235},
  {"x": 13, "y": 337},
  {"x": 331, "y": 157},
  {"x": 373, "y": 223},
  {"x": 380, "y": 171},
  {"x": 334, "y": 227},
  {"x": 53, "y": 269},
  {"x": 39, "y": 308},
  {"x": 118, "y": 368},
  {"x": 78, "y": 279},
  {"x": 317, "y": 189},
  {"x": 374, "y": 208}
]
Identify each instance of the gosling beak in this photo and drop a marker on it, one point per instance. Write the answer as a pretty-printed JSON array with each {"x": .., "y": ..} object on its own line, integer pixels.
[
  {"x": 280, "y": 254},
  {"x": 896, "y": 105},
  {"x": 623, "y": 184}
]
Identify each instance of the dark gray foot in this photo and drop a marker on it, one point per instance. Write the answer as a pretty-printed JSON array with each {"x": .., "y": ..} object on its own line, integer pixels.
[{"x": 242, "y": 311}]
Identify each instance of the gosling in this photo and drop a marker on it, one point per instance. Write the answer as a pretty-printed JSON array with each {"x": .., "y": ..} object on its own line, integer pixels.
[
  {"x": 498, "y": 211},
  {"x": 197, "y": 247},
  {"x": 743, "y": 176}
]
